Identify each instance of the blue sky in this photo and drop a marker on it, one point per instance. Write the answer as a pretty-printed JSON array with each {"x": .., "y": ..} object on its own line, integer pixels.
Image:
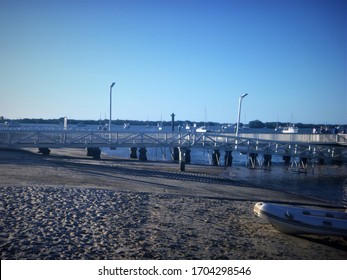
[{"x": 58, "y": 58}]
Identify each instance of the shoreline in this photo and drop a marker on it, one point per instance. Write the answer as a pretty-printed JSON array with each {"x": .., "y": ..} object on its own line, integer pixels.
[{"x": 67, "y": 206}]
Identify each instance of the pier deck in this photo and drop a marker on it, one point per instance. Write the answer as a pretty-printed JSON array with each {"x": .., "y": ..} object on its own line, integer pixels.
[{"x": 327, "y": 146}]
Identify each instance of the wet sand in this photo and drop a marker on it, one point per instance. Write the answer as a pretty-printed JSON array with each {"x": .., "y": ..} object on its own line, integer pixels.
[{"x": 69, "y": 206}]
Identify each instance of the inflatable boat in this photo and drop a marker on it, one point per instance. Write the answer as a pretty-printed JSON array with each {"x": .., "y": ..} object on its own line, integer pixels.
[{"x": 301, "y": 220}]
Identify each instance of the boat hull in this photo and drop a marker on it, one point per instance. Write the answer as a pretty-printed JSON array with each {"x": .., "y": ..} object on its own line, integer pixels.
[{"x": 296, "y": 220}]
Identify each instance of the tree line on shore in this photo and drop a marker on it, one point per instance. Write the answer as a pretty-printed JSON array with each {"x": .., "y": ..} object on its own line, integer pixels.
[{"x": 251, "y": 124}]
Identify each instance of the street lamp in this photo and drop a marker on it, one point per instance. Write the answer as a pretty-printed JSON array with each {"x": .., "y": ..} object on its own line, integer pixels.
[
  {"x": 239, "y": 113},
  {"x": 109, "y": 124}
]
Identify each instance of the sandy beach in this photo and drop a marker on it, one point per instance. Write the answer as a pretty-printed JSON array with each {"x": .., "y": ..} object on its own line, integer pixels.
[{"x": 69, "y": 206}]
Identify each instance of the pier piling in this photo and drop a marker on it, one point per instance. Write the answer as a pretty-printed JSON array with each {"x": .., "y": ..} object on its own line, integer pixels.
[
  {"x": 133, "y": 152},
  {"x": 44, "y": 151},
  {"x": 175, "y": 154},
  {"x": 182, "y": 160},
  {"x": 228, "y": 158},
  {"x": 143, "y": 154},
  {"x": 267, "y": 160},
  {"x": 94, "y": 152},
  {"x": 252, "y": 159},
  {"x": 187, "y": 156},
  {"x": 286, "y": 159},
  {"x": 215, "y": 157}
]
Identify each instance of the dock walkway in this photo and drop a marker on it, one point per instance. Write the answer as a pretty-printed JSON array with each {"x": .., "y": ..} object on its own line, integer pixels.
[{"x": 326, "y": 146}]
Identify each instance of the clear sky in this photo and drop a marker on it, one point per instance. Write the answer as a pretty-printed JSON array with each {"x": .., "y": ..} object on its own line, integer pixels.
[{"x": 58, "y": 58}]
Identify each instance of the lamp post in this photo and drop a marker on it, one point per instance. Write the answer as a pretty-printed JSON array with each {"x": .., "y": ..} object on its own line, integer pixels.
[
  {"x": 109, "y": 124},
  {"x": 239, "y": 113}
]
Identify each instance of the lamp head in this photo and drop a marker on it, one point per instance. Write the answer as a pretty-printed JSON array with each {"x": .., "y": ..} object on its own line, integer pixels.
[
  {"x": 242, "y": 96},
  {"x": 112, "y": 84}
]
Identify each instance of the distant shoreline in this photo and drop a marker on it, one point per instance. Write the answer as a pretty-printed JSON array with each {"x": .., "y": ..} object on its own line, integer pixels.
[{"x": 256, "y": 123}]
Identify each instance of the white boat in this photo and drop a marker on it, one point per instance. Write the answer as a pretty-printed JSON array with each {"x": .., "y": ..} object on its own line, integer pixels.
[
  {"x": 290, "y": 129},
  {"x": 126, "y": 125},
  {"x": 201, "y": 129},
  {"x": 103, "y": 127},
  {"x": 302, "y": 220},
  {"x": 11, "y": 124}
]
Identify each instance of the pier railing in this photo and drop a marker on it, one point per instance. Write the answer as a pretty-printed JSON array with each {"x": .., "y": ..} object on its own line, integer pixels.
[
  {"x": 75, "y": 138},
  {"x": 311, "y": 145}
]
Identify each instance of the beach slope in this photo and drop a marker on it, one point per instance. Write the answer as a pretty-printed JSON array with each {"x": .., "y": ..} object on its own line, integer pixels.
[{"x": 68, "y": 206}]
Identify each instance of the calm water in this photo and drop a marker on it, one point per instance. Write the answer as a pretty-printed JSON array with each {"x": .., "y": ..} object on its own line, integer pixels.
[{"x": 325, "y": 182}]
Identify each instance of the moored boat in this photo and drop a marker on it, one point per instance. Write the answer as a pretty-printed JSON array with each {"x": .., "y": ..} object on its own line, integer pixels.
[
  {"x": 201, "y": 129},
  {"x": 303, "y": 220},
  {"x": 290, "y": 129}
]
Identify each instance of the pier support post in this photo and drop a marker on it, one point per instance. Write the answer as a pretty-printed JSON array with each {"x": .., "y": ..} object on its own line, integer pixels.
[
  {"x": 133, "y": 152},
  {"x": 320, "y": 158},
  {"x": 303, "y": 162},
  {"x": 175, "y": 154},
  {"x": 252, "y": 158},
  {"x": 97, "y": 153},
  {"x": 300, "y": 165},
  {"x": 90, "y": 152},
  {"x": 188, "y": 156},
  {"x": 228, "y": 158},
  {"x": 215, "y": 157},
  {"x": 44, "y": 151},
  {"x": 286, "y": 159},
  {"x": 143, "y": 154},
  {"x": 267, "y": 160},
  {"x": 182, "y": 161},
  {"x": 94, "y": 152}
]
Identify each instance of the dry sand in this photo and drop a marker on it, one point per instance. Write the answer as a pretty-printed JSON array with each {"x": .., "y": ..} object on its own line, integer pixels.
[{"x": 68, "y": 206}]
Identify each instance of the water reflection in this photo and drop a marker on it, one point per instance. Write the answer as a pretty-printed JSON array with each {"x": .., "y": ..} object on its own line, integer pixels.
[{"x": 325, "y": 182}]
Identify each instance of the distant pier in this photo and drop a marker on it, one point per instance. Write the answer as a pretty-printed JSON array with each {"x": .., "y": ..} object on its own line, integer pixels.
[{"x": 259, "y": 147}]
